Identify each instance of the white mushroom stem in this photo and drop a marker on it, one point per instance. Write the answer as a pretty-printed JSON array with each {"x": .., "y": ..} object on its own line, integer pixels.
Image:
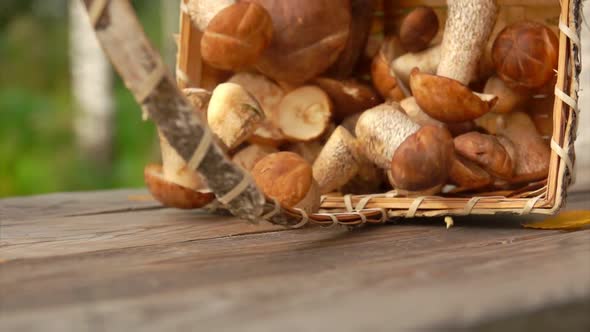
[
  {"x": 426, "y": 61},
  {"x": 381, "y": 130},
  {"x": 468, "y": 27},
  {"x": 414, "y": 112},
  {"x": 233, "y": 114},
  {"x": 336, "y": 164}
]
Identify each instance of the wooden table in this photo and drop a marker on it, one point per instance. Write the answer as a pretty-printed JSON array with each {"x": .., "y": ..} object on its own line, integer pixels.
[{"x": 117, "y": 261}]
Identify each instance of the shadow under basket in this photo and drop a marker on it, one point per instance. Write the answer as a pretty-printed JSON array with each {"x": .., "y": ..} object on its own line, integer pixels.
[{"x": 145, "y": 75}]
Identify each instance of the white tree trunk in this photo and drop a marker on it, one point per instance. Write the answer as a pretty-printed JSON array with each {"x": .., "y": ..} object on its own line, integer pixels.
[
  {"x": 583, "y": 141},
  {"x": 92, "y": 89}
]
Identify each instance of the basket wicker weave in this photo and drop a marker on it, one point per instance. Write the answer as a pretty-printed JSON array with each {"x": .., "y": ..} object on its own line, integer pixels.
[{"x": 146, "y": 76}]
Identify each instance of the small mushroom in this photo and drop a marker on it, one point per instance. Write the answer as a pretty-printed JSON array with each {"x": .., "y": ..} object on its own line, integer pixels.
[
  {"x": 426, "y": 61},
  {"x": 381, "y": 130},
  {"x": 233, "y": 114},
  {"x": 468, "y": 176},
  {"x": 202, "y": 12},
  {"x": 174, "y": 195},
  {"x": 337, "y": 162},
  {"x": 531, "y": 152},
  {"x": 448, "y": 100},
  {"x": 304, "y": 113},
  {"x": 423, "y": 160},
  {"x": 250, "y": 155},
  {"x": 525, "y": 54},
  {"x": 384, "y": 80},
  {"x": 486, "y": 151},
  {"x": 348, "y": 96},
  {"x": 288, "y": 178},
  {"x": 418, "y": 29},
  {"x": 509, "y": 98},
  {"x": 236, "y": 36}
]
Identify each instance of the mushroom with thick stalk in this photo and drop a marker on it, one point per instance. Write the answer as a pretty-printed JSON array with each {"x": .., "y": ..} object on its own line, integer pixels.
[
  {"x": 383, "y": 78},
  {"x": 236, "y": 37},
  {"x": 269, "y": 96},
  {"x": 348, "y": 96},
  {"x": 288, "y": 178},
  {"x": 337, "y": 163},
  {"x": 304, "y": 113},
  {"x": 250, "y": 155},
  {"x": 422, "y": 162},
  {"x": 308, "y": 37},
  {"x": 381, "y": 130},
  {"x": 233, "y": 114}
]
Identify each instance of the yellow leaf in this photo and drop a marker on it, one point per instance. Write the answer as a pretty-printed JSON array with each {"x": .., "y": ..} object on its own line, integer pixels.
[{"x": 566, "y": 220}]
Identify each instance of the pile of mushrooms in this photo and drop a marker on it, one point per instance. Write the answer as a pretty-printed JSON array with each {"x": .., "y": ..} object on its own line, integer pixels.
[{"x": 311, "y": 107}]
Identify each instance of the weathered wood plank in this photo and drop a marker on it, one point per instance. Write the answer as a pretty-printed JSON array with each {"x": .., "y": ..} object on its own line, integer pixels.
[
  {"x": 394, "y": 275},
  {"x": 65, "y": 204},
  {"x": 61, "y": 236}
]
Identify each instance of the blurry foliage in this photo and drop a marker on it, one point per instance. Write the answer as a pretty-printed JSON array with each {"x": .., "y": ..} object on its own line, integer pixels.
[{"x": 38, "y": 152}]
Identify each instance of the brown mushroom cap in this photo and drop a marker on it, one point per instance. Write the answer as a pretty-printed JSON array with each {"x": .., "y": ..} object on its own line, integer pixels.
[
  {"x": 486, "y": 151},
  {"x": 284, "y": 176},
  {"x": 526, "y": 53},
  {"x": 174, "y": 195},
  {"x": 468, "y": 176},
  {"x": 418, "y": 29},
  {"x": 237, "y": 36},
  {"x": 308, "y": 37},
  {"x": 447, "y": 100},
  {"x": 423, "y": 160}
]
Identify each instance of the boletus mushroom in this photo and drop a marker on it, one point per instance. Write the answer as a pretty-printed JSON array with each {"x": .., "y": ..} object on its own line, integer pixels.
[
  {"x": 236, "y": 37},
  {"x": 422, "y": 162},
  {"x": 172, "y": 194},
  {"x": 308, "y": 37},
  {"x": 381, "y": 130},
  {"x": 252, "y": 154},
  {"x": 288, "y": 178},
  {"x": 525, "y": 54}
]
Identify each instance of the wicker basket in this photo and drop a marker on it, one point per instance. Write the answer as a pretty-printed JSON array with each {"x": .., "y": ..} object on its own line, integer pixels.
[{"x": 154, "y": 88}]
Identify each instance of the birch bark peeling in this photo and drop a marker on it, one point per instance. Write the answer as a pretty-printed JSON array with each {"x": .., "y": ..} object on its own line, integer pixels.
[{"x": 138, "y": 63}]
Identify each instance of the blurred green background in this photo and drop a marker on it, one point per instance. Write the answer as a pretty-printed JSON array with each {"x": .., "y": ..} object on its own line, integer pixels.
[{"x": 38, "y": 145}]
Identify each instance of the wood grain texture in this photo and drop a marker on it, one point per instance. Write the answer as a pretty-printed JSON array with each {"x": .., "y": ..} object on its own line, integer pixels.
[
  {"x": 79, "y": 203},
  {"x": 169, "y": 269}
]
